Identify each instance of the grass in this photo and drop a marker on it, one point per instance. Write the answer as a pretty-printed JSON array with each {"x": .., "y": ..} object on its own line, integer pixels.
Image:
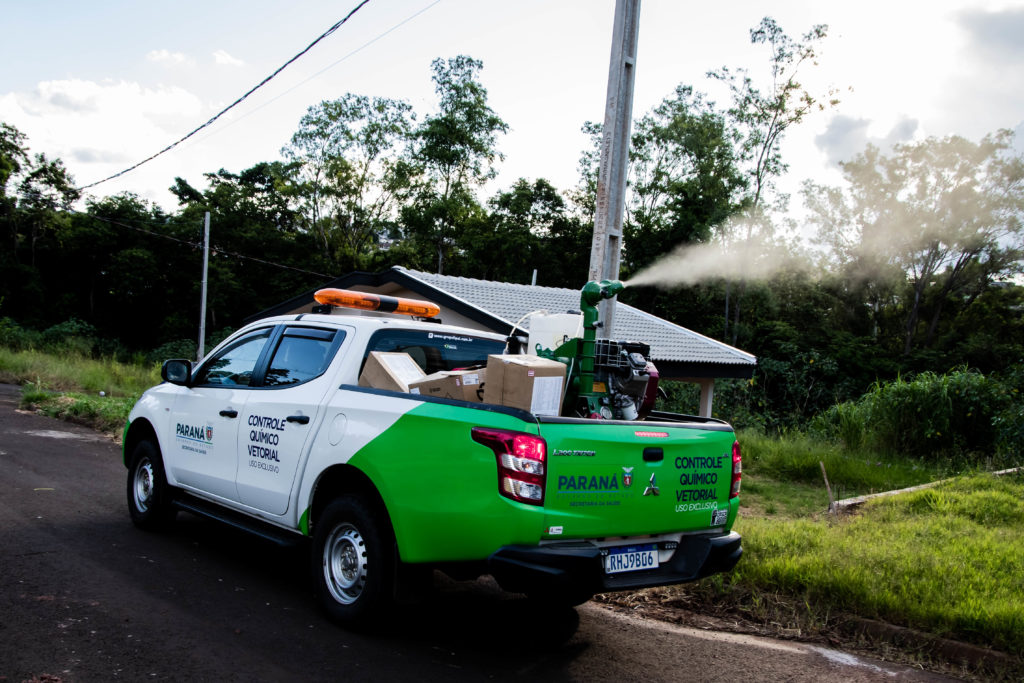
[
  {"x": 74, "y": 372},
  {"x": 69, "y": 386},
  {"x": 947, "y": 560},
  {"x": 782, "y": 477}
]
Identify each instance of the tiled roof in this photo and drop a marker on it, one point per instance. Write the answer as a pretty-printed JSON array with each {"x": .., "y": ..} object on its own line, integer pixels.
[{"x": 510, "y": 302}]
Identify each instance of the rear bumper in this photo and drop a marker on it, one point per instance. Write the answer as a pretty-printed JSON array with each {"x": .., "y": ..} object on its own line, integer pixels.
[{"x": 577, "y": 567}]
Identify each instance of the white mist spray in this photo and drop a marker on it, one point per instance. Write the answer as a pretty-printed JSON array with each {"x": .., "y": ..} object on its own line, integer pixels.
[{"x": 690, "y": 264}]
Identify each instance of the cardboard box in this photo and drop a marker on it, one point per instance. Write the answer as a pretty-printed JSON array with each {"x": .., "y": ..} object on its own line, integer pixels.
[
  {"x": 390, "y": 370},
  {"x": 526, "y": 382},
  {"x": 462, "y": 385}
]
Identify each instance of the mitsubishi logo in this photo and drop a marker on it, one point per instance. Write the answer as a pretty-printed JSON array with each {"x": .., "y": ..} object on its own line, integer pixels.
[{"x": 652, "y": 488}]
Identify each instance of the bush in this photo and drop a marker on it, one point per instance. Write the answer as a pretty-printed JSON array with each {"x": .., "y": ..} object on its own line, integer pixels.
[
  {"x": 180, "y": 348},
  {"x": 74, "y": 336},
  {"x": 959, "y": 415},
  {"x": 17, "y": 338}
]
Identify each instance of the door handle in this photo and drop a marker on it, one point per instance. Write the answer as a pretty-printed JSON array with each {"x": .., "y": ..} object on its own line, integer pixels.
[
  {"x": 229, "y": 413},
  {"x": 301, "y": 419}
]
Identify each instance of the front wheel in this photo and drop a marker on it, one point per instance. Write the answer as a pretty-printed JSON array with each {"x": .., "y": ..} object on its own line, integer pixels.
[
  {"x": 148, "y": 493},
  {"x": 353, "y": 563}
]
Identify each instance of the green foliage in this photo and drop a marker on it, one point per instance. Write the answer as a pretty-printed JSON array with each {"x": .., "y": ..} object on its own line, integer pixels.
[
  {"x": 179, "y": 348},
  {"x": 352, "y": 161},
  {"x": 13, "y": 336},
  {"x": 884, "y": 563},
  {"x": 962, "y": 415},
  {"x": 72, "y": 336},
  {"x": 454, "y": 152},
  {"x": 104, "y": 413}
]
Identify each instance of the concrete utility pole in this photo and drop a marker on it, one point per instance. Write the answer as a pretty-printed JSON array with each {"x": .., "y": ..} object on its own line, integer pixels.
[
  {"x": 202, "y": 305},
  {"x": 611, "y": 180}
]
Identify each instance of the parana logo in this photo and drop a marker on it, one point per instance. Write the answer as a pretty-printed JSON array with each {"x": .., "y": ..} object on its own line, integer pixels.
[{"x": 195, "y": 433}]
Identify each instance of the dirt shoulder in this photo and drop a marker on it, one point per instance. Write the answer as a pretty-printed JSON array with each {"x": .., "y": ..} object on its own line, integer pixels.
[{"x": 789, "y": 620}]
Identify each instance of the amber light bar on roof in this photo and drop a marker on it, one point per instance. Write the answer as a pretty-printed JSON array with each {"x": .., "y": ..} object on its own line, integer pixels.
[{"x": 364, "y": 301}]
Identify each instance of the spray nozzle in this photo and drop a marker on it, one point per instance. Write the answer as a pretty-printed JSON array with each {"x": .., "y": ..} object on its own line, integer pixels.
[{"x": 594, "y": 291}]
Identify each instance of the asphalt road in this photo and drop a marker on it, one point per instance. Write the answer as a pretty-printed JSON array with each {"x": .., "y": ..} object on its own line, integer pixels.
[{"x": 84, "y": 596}]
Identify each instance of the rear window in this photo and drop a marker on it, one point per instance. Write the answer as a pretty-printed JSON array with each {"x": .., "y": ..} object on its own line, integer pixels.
[{"x": 435, "y": 351}]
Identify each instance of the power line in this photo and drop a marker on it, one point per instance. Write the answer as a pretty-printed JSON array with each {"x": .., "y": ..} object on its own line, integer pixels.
[
  {"x": 198, "y": 245},
  {"x": 192, "y": 245},
  {"x": 281, "y": 68},
  {"x": 326, "y": 68}
]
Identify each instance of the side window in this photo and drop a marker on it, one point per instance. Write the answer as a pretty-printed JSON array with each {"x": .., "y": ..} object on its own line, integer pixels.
[
  {"x": 302, "y": 354},
  {"x": 234, "y": 365}
]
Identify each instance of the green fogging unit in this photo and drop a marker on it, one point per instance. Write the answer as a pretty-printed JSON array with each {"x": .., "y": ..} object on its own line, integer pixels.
[{"x": 605, "y": 379}]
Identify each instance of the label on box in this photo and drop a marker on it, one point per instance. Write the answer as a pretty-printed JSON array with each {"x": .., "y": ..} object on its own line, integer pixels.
[
  {"x": 404, "y": 368},
  {"x": 547, "y": 396}
]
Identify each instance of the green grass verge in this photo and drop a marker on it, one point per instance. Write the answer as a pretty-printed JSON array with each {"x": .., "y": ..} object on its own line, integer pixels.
[
  {"x": 68, "y": 386},
  {"x": 947, "y": 560},
  {"x": 73, "y": 372},
  {"x": 107, "y": 414}
]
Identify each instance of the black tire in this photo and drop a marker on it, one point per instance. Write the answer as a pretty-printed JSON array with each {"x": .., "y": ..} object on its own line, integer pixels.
[
  {"x": 353, "y": 563},
  {"x": 149, "y": 501}
]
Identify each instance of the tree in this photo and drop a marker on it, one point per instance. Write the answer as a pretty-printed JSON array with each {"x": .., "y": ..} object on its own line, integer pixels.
[
  {"x": 945, "y": 213},
  {"x": 684, "y": 177},
  {"x": 455, "y": 151},
  {"x": 259, "y": 248},
  {"x": 351, "y": 153},
  {"x": 763, "y": 116},
  {"x": 527, "y": 228}
]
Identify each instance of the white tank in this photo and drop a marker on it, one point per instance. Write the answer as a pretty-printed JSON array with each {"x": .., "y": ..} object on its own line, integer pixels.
[{"x": 551, "y": 330}]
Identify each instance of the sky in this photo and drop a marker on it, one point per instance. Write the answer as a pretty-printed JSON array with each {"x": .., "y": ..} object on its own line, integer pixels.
[{"x": 105, "y": 84}]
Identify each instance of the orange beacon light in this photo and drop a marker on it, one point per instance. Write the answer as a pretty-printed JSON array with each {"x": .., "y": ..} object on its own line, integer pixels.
[{"x": 365, "y": 301}]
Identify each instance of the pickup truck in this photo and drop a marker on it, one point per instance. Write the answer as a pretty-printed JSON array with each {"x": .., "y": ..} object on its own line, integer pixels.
[{"x": 271, "y": 433}]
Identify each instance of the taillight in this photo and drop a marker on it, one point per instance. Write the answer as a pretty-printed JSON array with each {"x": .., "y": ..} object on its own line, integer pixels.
[
  {"x": 737, "y": 470},
  {"x": 521, "y": 463}
]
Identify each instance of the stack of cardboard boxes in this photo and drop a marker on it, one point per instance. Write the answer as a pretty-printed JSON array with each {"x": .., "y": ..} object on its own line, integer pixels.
[{"x": 528, "y": 383}]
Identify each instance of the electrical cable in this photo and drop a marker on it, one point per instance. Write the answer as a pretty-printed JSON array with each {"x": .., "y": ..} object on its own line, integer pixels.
[
  {"x": 326, "y": 33},
  {"x": 213, "y": 248},
  {"x": 326, "y": 68},
  {"x": 192, "y": 245}
]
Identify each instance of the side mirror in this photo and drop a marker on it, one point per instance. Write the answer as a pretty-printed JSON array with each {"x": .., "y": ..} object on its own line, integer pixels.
[{"x": 177, "y": 372}]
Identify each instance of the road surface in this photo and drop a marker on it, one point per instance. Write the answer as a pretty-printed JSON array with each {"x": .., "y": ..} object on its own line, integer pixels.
[{"x": 84, "y": 596}]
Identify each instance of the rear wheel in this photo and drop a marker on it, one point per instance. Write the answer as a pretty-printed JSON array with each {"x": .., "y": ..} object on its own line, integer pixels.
[
  {"x": 353, "y": 562},
  {"x": 148, "y": 493}
]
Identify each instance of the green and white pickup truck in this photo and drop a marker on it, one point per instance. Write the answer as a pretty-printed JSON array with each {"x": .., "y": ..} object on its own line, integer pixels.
[{"x": 271, "y": 433}]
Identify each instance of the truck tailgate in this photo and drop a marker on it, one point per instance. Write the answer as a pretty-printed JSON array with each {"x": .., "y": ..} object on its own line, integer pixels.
[{"x": 614, "y": 479}]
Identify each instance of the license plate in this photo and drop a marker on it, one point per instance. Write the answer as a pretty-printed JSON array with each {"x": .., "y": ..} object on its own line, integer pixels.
[{"x": 631, "y": 559}]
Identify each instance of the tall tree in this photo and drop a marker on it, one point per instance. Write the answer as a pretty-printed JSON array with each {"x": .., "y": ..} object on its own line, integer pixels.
[
  {"x": 352, "y": 155},
  {"x": 763, "y": 115},
  {"x": 684, "y": 177},
  {"x": 455, "y": 149},
  {"x": 947, "y": 213}
]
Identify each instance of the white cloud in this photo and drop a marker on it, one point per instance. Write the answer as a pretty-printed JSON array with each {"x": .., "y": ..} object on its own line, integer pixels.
[
  {"x": 100, "y": 128},
  {"x": 222, "y": 57},
  {"x": 168, "y": 57},
  {"x": 847, "y": 136}
]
